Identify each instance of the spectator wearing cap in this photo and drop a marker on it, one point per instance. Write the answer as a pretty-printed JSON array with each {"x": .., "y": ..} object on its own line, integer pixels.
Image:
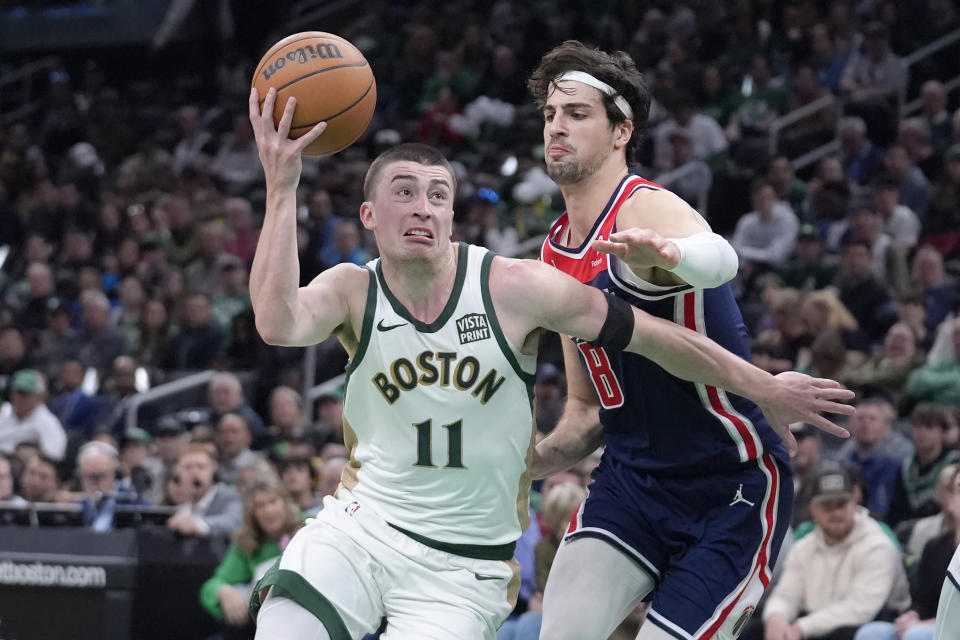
[
  {"x": 687, "y": 175},
  {"x": 944, "y": 216},
  {"x": 939, "y": 382},
  {"x": 861, "y": 159},
  {"x": 211, "y": 508},
  {"x": 198, "y": 342},
  {"x": 808, "y": 269},
  {"x": 26, "y": 418},
  {"x": 98, "y": 464},
  {"x": 300, "y": 479},
  {"x": 929, "y": 574},
  {"x": 877, "y": 450},
  {"x": 73, "y": 407},
  {"x": 766, "y": 235},
  {"x": 233, "y": 446},
  {"x": 843, "y": 575},
  {"x": 915, "y": 493}
]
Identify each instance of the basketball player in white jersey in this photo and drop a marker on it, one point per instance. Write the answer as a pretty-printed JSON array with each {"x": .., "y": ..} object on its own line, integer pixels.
[
  {"x": 948, "y": 610},
  {"x": 437, "y": 412}
]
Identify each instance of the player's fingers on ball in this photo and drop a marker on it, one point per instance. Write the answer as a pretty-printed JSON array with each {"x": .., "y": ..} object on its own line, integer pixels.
[
  {"x": 269, "y": 101},
  {"x": 311, "y": 135},
  {"x": 253, "y": 105},
  {"x": 286, "y": 120}
]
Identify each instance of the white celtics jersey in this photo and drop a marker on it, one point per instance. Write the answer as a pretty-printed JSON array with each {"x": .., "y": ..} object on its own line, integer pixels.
[{"x": 439, "y": 416}]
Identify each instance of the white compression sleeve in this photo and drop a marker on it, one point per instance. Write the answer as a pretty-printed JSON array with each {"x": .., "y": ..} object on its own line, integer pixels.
[{"x": 706, "y": 260}]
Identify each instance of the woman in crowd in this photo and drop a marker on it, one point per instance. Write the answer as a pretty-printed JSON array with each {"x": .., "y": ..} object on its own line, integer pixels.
[{"x": 270, "y": 518}]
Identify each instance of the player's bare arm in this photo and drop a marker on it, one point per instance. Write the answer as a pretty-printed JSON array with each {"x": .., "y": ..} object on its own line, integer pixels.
[
  {"x": 665, "y": 241},
  {"x": 578, "y": 432},
  {"x": 570, "y": 308},
  {"x": 287, "y": 314}
]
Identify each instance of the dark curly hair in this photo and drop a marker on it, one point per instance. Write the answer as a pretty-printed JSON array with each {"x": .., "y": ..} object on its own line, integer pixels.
[{"x": 617, "y": 69}]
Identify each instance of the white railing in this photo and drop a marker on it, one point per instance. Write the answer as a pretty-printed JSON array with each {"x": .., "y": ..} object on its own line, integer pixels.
[
  {"x": 23, "y": 97},
  {"x": 920, "y": 54},
  {"x": 828, "y": 101},
  {"x": 167, "y": 389}
]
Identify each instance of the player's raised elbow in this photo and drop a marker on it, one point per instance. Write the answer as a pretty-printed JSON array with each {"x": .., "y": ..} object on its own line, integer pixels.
[{"x": 272, "y": 332}]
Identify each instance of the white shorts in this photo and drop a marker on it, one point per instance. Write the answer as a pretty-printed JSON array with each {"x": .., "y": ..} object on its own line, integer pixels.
[{"x": 350, "y": 569}]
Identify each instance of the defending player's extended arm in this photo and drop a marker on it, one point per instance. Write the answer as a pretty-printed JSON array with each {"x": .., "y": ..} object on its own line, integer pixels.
[{"x": 658, "y": 229}]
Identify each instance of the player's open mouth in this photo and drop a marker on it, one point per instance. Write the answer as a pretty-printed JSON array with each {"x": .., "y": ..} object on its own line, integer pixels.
[{"x": 421, "y": 233}]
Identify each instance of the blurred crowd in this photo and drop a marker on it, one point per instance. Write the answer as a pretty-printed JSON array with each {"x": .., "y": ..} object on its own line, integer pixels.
[{"x": 130, "y": 210}]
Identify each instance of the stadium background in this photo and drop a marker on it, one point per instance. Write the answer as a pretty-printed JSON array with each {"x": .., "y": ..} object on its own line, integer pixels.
[{"x": 131, "y": 194}]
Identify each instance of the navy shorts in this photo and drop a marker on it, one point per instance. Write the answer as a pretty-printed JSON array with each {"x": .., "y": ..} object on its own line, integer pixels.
[{"x": 709, "y": 542}]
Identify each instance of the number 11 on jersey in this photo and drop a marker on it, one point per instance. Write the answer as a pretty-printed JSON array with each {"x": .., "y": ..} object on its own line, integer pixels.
[{"x": 454, "y": 444}]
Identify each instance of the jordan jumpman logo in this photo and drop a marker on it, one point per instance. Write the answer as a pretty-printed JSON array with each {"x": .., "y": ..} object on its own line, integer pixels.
[{"x": 738, "y": 498}]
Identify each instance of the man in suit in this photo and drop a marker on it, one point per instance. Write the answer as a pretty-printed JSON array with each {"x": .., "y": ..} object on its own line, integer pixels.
[{"x": 214, "y": 509}]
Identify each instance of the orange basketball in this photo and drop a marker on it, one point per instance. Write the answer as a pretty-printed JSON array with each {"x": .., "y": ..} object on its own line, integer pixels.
[{"x": 331, "y": 81}]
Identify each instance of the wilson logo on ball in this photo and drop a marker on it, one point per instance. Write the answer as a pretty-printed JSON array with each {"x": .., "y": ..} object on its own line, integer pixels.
[{"x": 300, "y": 56}]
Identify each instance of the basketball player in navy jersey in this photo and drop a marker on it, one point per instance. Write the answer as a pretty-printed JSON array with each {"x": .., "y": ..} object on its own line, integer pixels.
[{"x": 693, "y": 494}]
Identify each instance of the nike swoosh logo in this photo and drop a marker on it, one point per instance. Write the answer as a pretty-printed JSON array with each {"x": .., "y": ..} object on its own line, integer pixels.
[
  {"x": 480, "y": 576},
  {"x": 385, "y": 327}
]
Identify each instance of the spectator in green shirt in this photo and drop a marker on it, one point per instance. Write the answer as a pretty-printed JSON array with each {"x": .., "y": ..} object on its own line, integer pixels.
[{"x": 270, "y": 518}]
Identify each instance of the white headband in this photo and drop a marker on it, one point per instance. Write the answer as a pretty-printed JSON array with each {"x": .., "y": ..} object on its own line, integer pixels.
[{"x": 586, "y": 78}]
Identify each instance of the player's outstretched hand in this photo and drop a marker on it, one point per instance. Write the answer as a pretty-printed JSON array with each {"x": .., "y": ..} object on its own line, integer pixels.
[
  {"x": 279, "y": 155},
  {"x": 802, "y": 398},
  {"x": 641, "y": 249}
]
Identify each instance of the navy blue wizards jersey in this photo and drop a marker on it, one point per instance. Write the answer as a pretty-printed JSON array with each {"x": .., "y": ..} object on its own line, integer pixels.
[{"x": 652, "y": 420}]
